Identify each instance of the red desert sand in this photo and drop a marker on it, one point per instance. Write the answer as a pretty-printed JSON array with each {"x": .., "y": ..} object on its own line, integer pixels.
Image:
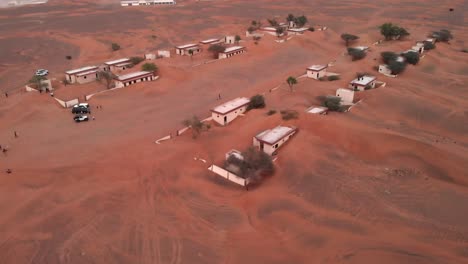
[{"x": 386, "y": 182}]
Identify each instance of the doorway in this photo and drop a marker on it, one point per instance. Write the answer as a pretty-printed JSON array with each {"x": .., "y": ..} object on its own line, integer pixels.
[{"x": 225, "y": 120}]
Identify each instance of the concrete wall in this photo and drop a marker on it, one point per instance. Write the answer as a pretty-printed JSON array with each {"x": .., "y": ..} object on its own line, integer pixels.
[
  {"x": 67, "y": 104},
  {"x": 316, "y": 74},
  {"x": 218, "y": 118},
  {"x": 228, "y": 175},
  {"x": 346, "y": 95},
  {"x": 85, "y": 78},
  {"x": 30, "y": 89},
  {"x": 164, "y": 53}
]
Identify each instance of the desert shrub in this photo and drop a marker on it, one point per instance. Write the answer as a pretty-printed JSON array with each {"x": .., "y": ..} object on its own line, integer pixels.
[
  {"x": 333, "y": 77},
  {"x": 323, "y": 78},
  {"x": 391, "y": 31},
  {"x": 464, "y": 50},
  {"x": 442, "y": 35},
  {"x": 68, "y": 57},
  {"x": 348, "y": 38},
  {"x": 154, "y": 37},
  {"x": 271, "y": 112},
  {"x": 273, "y": 22},
  {"x": 196, "y": 125},
  {"x": 107, "y": 77},
  {"x": 356, "y": 54},
  {"x": 151, "y": 67},
  {"x": 216, "y": 49},
  {"x": 256, "y": 101},
  {"x": 396, "y": 67},
  {"x": 237, "y": 38},
  {"x": 300, "y": 21},
  {"x": 388, "y": 56},
  {"x": 312, "y": 29},
  {"x": 255, "y": 165},
  {"x": 429, "y": 45},
  {"x": 289, "y": 114},
  {"x": 136, "y": 60},
  {"x": 115, "y": 46},
  {"x": 332, "y": 103},
  {"x": 411, "y": 57}
]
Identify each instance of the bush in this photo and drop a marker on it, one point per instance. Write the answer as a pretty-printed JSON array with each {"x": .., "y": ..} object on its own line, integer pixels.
[
  {"x": 271, "y": 112},
  {"x": 348, "y": 38},
  {"x": 257, "y": 38},
  {"x": 136, "y": 60},
  {"x": 428, "y": 45},
  {"x": 388, "y": 56},
  {"x": 312, "y": 29},
  {"x": 356, "y": 54},
  {"x": 115, "y": 46},
  {"x": 412, "y": 57},
  {"x": 464, "y": 50},
  {"x": 443, "y": 35},
  {"x": 256, "y": 101},
  {"x": 289, "y": 114},
  {"x": 323, "y": 78},
  {"x": 391, "y": 31},
  {"x": 332, "y": 103},
  {"x": 255, "y": 165},
  {"x": 396, "y": 67},
  {"x": 216, "y": 49},
  {"x": 196, "y": 125},
  {"x": 333, "y": 78},
  {"x": 251, "y": 29},
  {"x": 151, "y": 67}
]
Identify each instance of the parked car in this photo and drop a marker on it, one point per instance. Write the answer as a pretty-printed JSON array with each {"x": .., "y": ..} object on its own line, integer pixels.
[
  {"x": 82, "y": 108},
  {"x": 82, "y": 105},
  {"x": 80, "y": 118},
  {"x": 42, "y": 72}
]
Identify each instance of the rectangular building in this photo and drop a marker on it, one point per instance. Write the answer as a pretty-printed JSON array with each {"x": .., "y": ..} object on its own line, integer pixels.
[
  {"x": 227, "y": 112},
  {"x": 231, "y": 51},
  {"x": 346, "y": 95},
  {"x": 146, "y": 2},
  {"x": 269, "y": 141},
  {"x": 82, "y": 75},
  {"x": 211, "y": 41},
  {"x": 297, "y": 31},
  {"x": 185, "y": 49},
  {"x": 134, "y": 77},
  {"x": 317, "y": 71},
  {"x": 363, "y": 83},
  {"x": 120, "y": 64}
]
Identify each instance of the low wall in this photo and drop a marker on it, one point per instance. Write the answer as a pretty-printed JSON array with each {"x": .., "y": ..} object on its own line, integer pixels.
[
  {"x": 66, "y": 104},
  {"x": 30, "y": 89},
  {"x": 227, "y": 175}
]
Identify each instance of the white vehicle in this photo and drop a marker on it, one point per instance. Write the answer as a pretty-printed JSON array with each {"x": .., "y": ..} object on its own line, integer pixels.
[
  {"x": 42, "y": 72},
  {"x": 80, "y": 118},
  {"x": 85, "y": 105}
]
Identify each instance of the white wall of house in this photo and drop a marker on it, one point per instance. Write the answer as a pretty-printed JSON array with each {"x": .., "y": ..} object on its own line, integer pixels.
[
  {"x": 86, "y": 78},
  {"x": 164, "y": 53},
  {"x": 360, "y": 87},
  {"x": 383, "y": 68},
  {"x": 316, "y": 74},
  {"x": 229, "y": 117},
  {"x": 346, "y": 95},
  {"x": 270, "y": 149},
  {"x": 230, "y": 39},
  {"x": 228, "y": 55},
  {"x": 120, "y": 84}
]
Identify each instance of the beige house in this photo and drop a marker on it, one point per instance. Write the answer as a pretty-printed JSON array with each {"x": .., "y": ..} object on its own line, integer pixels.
[
  {"x": 317, "y": 110},
  {"x": 82, "y": 75},
  {"x": 346, "y": 95},
  {"x": 231, "y": 51},
  {"x": 115, "y": 65},
  {"x": 269, "y": 141},
  {"x": 230, "y": 39},
  {"x": 185, "y": 49},
  {"x": 363, "y": 82},
  {"x": 419, "y": 47},
  {"x": 227, "y": 112},
  {"x": 317, "y": 71},
  {"x": 134, "y": 77},
  {"x": 383, "y": 69},
  {"x": 211, "y": 41}
]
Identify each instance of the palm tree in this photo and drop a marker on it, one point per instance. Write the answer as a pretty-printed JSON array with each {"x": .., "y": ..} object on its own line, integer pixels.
[{"x": 291, "y": 81}]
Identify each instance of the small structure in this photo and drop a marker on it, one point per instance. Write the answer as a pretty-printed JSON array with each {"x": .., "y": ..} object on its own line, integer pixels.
[
  {"x": 317, "y": 71},
  {"x": 235, "y": 153},
  {"x": 419, "y": 47},
  {"x": 227, "y": 112},
  {"x": 120, "y": 64},
  {"x": 231, "y": 51},
  {"x": 82, "y": 75},
  {"x": 383, "y": 69},
  {"x": 271, "y": 31},
  {"x": 134, "y": 77},
  {"x": 362, "y": 83},
  {"x": 270, "y": 140},
  {"x": 146, "y": 2},
  {"x": 150, "y": 56},
  {"x": 185, "y": 49},
  {"x": 211, "y": 41},
  {"x": 346, "y": 95},
  {"x": 164, "y": 53},
  {"x": 230, "y": 39},
  {"x": 431, "y": 40},
  {"x": 297, "y": 31},
  {"x": 318, "y": 110}
]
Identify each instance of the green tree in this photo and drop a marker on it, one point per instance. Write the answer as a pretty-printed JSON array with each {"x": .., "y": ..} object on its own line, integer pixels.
[
  {"x": 443, "y": 35},
  {"x": 300, "y": 21},
  {"x": 115, "y": 46},
  {"x": 251, "y": 29},
  {"x": 273, "y": 22},
  {"x": 291, "y": 81},
  {"x": 428, "y": 45},
  {"x": 348, "y": 38},
  {"x": 279, "y": 31},
  {"x": 107, "y": 77},
  {"x": 332, "y": 103},
  {"x": 237, "y": 38},
  {"x": 136, "y": 60},
  {"x": 256, "y": 101},
  {"x": 196, "y": 125},
  {"x": 290, "y": 18},
  {"x": 150, "y": 67},
  {"x": 391, "y": 31},
  {"x": 356, "y": 54},
  {"x": 388, "y": 56},
  {"x": 412, "y": 57},
  {"x": 216, "y": 49},
  {"x": 37, "y": 81},
  {"x": 396, "y": 67}
]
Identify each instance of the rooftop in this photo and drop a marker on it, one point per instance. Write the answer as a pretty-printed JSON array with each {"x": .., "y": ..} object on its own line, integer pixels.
[
  {"x": 117, "y": 61},
  {"x": 298, "y": 29},
  {"x": 123, "y": 64},
  {"x": 316, "y": 109},
  {"x": 363, "y": 81},
  {"x": 86, "y": 73},
  {"x": 269, "y": 28},
  {"x": 186, "y": 46},
  {"x": 317, "y": 67},
  {"x": 271, "y": 136},
  {"x": 231, "y": 105},
  {"x": 233, "y": 48},
  {"x": 132, "y": 75},
  {"x": 361, "y": 47},
  {"x": 87, "y": 68},
  {"x": 209, "y": 40}
]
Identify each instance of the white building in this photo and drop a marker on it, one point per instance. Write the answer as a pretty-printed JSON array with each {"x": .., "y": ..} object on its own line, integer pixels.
[
  {"x": 82, "y": 75},
  {"x": 363, "y": 82},
  {"x": 346, "y": 95},
  {"x": 230, "y": 39},
  {"x": 150, "y": 56},
  {"x": 270, "y": 140},
  {"x": 317, "y": 71},
  {"x": 317, "y": 110},
  {"x": 134, "y": 77},
  {"x": 120, "y": 64},
  {"x": 362, "y": 48},
  {"x": 146, "y": 2},
  {"x": 185, "y": 49},
  {"x": 297, "y": 31},
  {"x": 227, "y": 112},
  {"x": 231, "y": 51},
  {"x": 383, "y": 69},
  {"x": 164, "y": 53},
  {"x": 419, "y": 47}
]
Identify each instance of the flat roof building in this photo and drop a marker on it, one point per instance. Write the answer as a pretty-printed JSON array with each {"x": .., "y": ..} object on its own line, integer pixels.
[
  {"x": 317, "y": 71},
  {"x": 211, "y": 41},
  {"x": 146, "y": 2},
  {"x": 318, "y": 110},
  {"x": 269, "y": 141},
  {"x": 134, "y": 77},
  {"x": 231, "y": 51},
  {"x": 362, "y": 83},
  {"x": 227, "y": 112},
  {"x": 185, "y": 49},
  {"x": 120, "y": 64},
  {"x": 346, "y": 95},
  {"x": 82, "y": 75}
]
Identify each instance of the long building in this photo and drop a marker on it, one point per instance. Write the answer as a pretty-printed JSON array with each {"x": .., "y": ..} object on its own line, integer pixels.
[{"x": 146, "y": 2}]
